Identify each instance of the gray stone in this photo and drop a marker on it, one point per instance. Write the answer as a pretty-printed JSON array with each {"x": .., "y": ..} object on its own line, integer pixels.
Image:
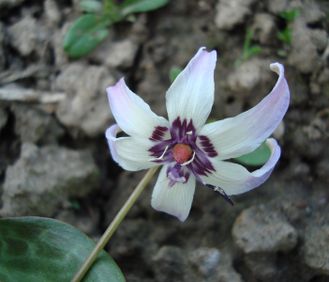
[
  {"x": 225, "y": 271},
  {"x": 300, "y": 168},
  {"x": 302, "y": 44},
  {"x": 317, "y": 128},
  {"x": 277, "y": 6},
  {"x": 121, "y": 191},
  {"x": 117, "y": 54},
  {"x": 152, "y": 89},
  {"x": 279, "y": 131},
  {"x": 86, "y": 106},
  {"x": 171, "y": 265},
  {"x": 2, "y": 55},
  {"x": 42, "y": 178},
  {"x": 302, "y": 140},
  {"x": 23, "y": 35},
  {"x": 325, "y": 55},
  {"x": 213, "y": 265},
  {"x": 323, "y": 79},
  {"x": 139, "y": 29},
  {"x": 312, "y": 12},
  {"x": 133, "y": 236},
  {"x": 10, "y": 3},
  {"x": 262, "y": 266},
  {"x": 315, "y": 251},
  {"x": 249, "y": 75},
  {"x": 263, "y": 28},
  {"x": 61, "y": 58},
  {"x": 52, "y": 13},
  {"x": 234, "y": 105},
  {"x": 33, "y": 125},
  {"x": 319, "y": 84},
  {"x": 86, "y": 222},
  {"x": 228, "y": 275},
  {"x": 1, "y": 33},
  {"x": 260, "y": 229},
  {"x": 206, "y": 260},
  {"x": 322, "y": 170},
  {"x": 319, "y": 38},
  {"x": 3, "y": 117},
  {"x": 231, "y": 12}
]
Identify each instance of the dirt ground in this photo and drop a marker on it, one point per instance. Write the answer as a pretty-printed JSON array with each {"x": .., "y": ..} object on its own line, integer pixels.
[{"x": 54, "y": 159}]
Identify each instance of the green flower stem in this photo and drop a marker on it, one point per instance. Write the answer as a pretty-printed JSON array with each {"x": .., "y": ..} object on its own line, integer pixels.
[{"x": 114, "y": 224}]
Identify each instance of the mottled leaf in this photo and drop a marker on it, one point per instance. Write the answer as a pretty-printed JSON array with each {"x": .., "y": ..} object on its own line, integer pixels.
[{"x": 35, "y": 249}]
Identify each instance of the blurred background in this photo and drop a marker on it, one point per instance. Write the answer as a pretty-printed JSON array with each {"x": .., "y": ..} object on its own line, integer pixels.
[{"x": 54, "y": 159}]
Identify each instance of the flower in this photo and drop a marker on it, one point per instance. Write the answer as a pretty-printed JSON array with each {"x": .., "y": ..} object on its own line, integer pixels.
[{"x": 189, "y": 149}]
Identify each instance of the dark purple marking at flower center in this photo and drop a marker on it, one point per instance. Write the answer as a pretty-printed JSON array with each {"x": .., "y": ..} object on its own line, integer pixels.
[
  {"x": 177, "y": 173},
  {"x": 207, "y": 146},
  {"x": 158, "y": 133},
  {"x": 183, "y": 149}
]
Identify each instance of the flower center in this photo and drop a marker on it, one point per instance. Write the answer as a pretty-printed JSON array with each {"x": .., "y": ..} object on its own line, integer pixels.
[{"x": 182, "y": 153}]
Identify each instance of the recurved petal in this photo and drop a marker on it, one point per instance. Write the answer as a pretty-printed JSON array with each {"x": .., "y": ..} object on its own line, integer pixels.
[
  {"x": 235, "y": 179},
  {"x": 131, "y": 113},
  {"x": 175, "y": 200},
  {"x": 131, "y": 153},
  {"x": 191, "y": 95},
  {"x": 233, "y": 137}
]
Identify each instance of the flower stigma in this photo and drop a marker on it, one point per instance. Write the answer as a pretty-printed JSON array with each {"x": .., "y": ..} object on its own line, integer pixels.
[{"x": 182, "y": 153}]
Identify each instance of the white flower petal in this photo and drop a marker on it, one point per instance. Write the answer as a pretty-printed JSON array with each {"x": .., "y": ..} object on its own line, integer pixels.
[
  {"x": 175, "y": 200},
  {"x": 233, "y": 137},
  {"x": 235, "y": 179},
  {"x": 131, "y": 113},
  {"x": 191, "y": 95},
  {"x": 131, "y": 153}
]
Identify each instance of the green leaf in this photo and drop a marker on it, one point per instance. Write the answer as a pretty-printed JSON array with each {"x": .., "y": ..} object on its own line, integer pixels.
[
  {"x": 254, "y": 50},
  {"x": 141, "y": 6},
  {"x": 249, "y": 50},
  {"x": 285, "y": 35},
  {"x": 85, "y": 34},
  {"x": 91, "y": 6},
  {"x": 257, "y": 157},
  {"x": 290, "y": 15},
  {"x": 36, "y": 249},
  {"x": 174, "y": 72},
  {"x": 247, "y": 39}
]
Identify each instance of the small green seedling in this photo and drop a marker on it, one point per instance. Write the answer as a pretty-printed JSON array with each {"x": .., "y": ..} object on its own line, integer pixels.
[
  {"x": 90, "y": 29},
  {"x": 285, "y": 34},
  {"x": 290, "y": 15},
  {"x": 249, "y": 50}
]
